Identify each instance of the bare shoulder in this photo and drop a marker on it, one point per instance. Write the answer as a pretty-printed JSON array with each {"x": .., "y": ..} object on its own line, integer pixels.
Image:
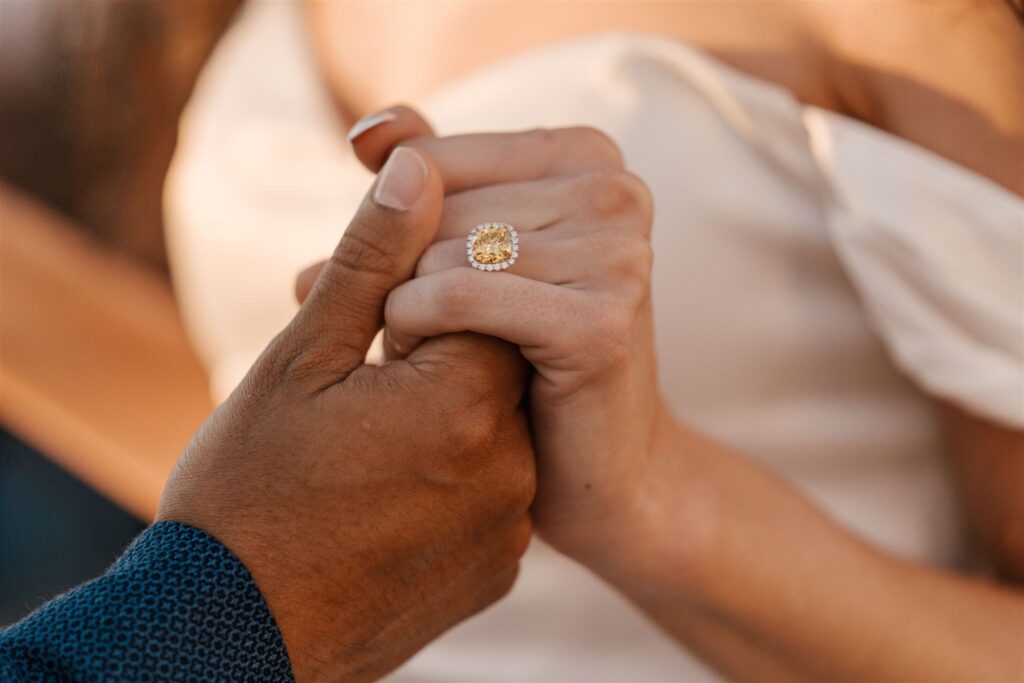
[{"x": 946, "y": 75}]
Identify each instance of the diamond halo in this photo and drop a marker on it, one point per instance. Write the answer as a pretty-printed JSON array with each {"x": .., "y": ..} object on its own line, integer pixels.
[{"x": 492, "y": 246}]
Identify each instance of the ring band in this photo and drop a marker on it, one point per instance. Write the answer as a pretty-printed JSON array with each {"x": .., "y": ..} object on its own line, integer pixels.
[{"x": 492, "y": 246}]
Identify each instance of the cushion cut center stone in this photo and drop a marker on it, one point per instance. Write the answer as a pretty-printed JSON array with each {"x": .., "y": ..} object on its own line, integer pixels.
[{"x": 492, "y": 245}]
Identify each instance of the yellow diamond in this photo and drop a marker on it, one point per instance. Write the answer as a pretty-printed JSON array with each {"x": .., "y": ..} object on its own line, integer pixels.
[{"x": 492, "y": 244}]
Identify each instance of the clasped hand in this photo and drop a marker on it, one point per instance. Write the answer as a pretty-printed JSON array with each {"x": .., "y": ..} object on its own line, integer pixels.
[{"x": 376, "y": 506}]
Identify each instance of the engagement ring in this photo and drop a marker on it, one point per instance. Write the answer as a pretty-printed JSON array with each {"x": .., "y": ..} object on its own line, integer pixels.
[{"x": 492, "y": 246}]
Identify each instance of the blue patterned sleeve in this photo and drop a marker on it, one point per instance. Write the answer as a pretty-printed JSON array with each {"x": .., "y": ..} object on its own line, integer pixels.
[{"x": 176, "y": 606}]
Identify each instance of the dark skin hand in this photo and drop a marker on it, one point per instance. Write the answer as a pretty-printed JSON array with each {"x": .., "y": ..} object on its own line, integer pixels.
[{"x": 375, "y": 506}]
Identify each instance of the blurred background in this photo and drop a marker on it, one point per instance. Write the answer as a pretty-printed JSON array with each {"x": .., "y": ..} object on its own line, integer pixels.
[{"x": 99, "y": 388}]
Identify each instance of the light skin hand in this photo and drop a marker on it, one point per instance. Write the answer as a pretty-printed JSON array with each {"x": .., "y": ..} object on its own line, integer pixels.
[
  {"x": 375, "y": 506},
  {"x": 726, "y": 557}
]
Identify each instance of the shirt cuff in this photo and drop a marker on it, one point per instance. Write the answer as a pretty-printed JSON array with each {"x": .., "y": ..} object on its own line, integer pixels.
[{"x": 176, "y": 606}]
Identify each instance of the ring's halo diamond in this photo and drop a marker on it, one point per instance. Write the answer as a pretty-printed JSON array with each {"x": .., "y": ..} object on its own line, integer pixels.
[{"x": 492, "y": 246}]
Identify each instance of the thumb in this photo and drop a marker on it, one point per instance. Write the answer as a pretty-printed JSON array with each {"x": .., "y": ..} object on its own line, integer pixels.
[
  {"x": 373, "y": 138},
  {"x": 395, "y": 223}
]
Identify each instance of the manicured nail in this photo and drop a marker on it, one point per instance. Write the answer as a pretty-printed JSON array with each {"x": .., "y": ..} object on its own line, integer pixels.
[
  {"x": 371, "y": 121},
  {"x": 401, "y": 180}
]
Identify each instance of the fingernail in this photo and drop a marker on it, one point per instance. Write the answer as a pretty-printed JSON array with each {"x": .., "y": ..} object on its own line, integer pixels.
[
  {"x": 371, "y": 121},
  {"x": 401, "y": 180}
]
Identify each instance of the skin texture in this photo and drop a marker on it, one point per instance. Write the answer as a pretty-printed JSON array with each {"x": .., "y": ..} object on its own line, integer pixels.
[
  {"x": 673, "y": 520},
  {"x": 375, "y": 506}
]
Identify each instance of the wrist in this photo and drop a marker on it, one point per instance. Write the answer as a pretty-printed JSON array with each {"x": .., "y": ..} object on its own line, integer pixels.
[{"x": 669, "y": 519}]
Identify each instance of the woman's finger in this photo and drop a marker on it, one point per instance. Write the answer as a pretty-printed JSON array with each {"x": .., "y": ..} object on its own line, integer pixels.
[
  {"x": 572, "y": 253},
  {"x": 526, "y": 312},
  {"x": 375, "y": 136},
  {"x": 481, "y": 159},
  {"x": 596, "y": 197},
  {"x": 527, "y": 206},
  {"x": 543, "y": 255}
]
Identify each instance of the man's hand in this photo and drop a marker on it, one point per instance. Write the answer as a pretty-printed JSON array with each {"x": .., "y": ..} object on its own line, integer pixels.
[{"x": 375, "y": 506}]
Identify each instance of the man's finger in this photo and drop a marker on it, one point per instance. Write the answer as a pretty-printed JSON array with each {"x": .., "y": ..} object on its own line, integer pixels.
[
  {"x": 379, "y": 250},
  {"x": 474, "y": 360}
]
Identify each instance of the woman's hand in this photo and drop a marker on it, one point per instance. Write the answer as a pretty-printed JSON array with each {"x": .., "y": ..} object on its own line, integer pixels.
[
  {"x": 577, "y": 302},
  {"x": 722, "y": 554}
]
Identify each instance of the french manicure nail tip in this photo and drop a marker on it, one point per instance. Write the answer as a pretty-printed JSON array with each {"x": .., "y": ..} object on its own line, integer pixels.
[{"x": 371, "y": 121}]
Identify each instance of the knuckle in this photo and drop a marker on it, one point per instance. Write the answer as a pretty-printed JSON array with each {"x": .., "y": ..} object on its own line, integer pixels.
[
  {"x": 550, "y": 144},
  {"x": 498, "y": 441},
  {"x": 457, "y": 296},
  {"x": 610, "y": 325},
  {"x": 614, "y": 194},
  {"x": 361, "y": 253},
  {"x": 469, "y": 373},
  {"x": 634, "y": 260},
  {"x": 620, "y": 257},
  {"x": 617, "y": 322},
  {"x": 552, "y": 139},
  {"x": 522, "y": 534},
  {"x": 509, "y": 547},
  {"x": 642, "y": 198},
  {"x": 523, "y": 483},
  {"x": 578, "y": 146},
  {"x": 645, "y": 257},
  {"x": 515, "y": 480},
  {"x": 596, "y": 146},
  {"x": 478, "y": 424},
  {"x": 501, "y": 585}
]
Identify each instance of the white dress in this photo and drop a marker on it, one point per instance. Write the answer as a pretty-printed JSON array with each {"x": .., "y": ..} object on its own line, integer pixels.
[{"x": 816, "y": 283}]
